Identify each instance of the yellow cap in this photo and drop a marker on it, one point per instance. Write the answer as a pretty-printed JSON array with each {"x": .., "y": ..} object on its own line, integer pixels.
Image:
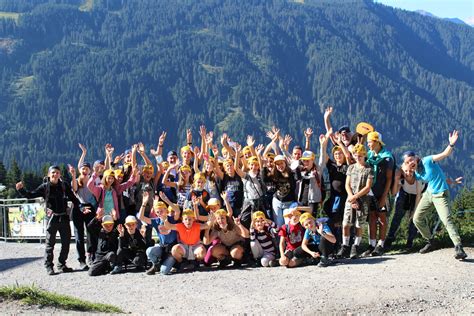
[
  {"x": 165, "y": 164},
  {"x": 188, "y": 212},
  {"x": 107, "y": 219},
  {"x": 109, "y": 172},
  {"x": 224, "y": 151},
  {"x": 186, "y": 148},
  {"x": 359, "y": 149},
  {"x": 199, "y": 176},
  {"x": 292, "y": 213},
  {"x": 130, "y": 219},
  {"x": 220, "y": 212},
  {"x": 270, "y": 155},
  {"x": 364, "y": 128},
  {"x": 213, "y": 202},
  {"x": 252, "y": 159},
  {"x": 185, "y": 168},
  {"x": 306, "y": 216},
  {"x": 148, "y": 168},
  {"x": 118, "y": 173},
  {"x": 158, "y": 204},
  {"x": 376, "y": 137},
  {"x": 228, "y": 161},
  {"x": 258, "y": 214},
  {"x": 246, "y": 150}
]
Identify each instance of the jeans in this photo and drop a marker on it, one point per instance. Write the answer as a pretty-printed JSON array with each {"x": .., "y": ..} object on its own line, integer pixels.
[
  {"x": 159, "y": 252},
  {"x": 80, "y": 220},
  {"x": 403, "y": 202},
  {"x": 441, "y": 202},
  {"x": 278, "y": 207}
]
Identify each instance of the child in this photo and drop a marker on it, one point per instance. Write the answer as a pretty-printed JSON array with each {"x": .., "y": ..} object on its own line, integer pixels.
[
  {"x": 292, "y": 236},
  {"x": 317, "y": 241},
  {"x": 105, "y": 256},
  {"x": 183, "y": 186},
  {"x": 162, "y": 251},
  {"x": 262, "y": 235},
  {"x": 212, "y": 206},
  {"x": 227, "y": 237},
  {"x": 132, "y": 245},
  {"x": 358, "y": 183},
  {"x": 199, "y": 193},
  {"x": 190, "y": 246}
]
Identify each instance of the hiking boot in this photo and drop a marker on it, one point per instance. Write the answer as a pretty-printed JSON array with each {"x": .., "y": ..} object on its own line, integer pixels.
[
  {"x": 460, "y": 254},
  {"x": 64, "y": 268},
  {"x": 83, "y": 266},
  {"x": 116, "y": 270},
  {"x": 378, "y": 251},
  {"x": 154, "y": 268},
  {"x": 323, "y": 262},
  {"x": 50, "y": 271},
  {"x": 354, "y": 252},
  {"x": 343, "y": 252},
  {"x": 427, "y": 248},
  {"x": 368, "y": 252}
]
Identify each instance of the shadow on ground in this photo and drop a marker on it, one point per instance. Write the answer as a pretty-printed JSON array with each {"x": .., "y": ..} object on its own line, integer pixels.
[{"x": 7, "y": 264}]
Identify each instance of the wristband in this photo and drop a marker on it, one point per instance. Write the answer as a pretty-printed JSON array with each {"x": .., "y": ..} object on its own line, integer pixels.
[
  {"x": 143, "y": 205},
  {"x": 451, "y": 145}
]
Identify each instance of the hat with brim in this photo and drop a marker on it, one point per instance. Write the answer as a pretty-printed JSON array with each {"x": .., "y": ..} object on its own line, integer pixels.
[
  {"x": 364, "y": 128},
  {"x": 130, "y": 219},
  {"x": 279, "y": 158},
  {"x": 307, "y": 155},
  {"x": 107, "y": 219}
]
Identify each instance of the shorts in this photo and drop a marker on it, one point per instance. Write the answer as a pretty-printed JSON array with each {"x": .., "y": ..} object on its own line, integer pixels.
[
  {"x": 374, "y": 206},
  {"x": 356, "y": 217},
  {"x": 189, "y": 250}
]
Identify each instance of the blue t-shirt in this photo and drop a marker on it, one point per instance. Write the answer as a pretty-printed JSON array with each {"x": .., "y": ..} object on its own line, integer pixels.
[
  {"x": 314, "y": 237},
  {"x": 166, "y": 236},
  {"x": 433, "y": 175}
]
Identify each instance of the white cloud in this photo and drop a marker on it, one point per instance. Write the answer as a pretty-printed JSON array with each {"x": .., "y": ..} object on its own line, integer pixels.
[{"x": 470, "y": 20}]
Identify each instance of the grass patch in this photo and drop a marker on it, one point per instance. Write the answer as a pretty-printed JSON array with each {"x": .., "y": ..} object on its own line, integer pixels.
[{"x": 33, "y": 295}]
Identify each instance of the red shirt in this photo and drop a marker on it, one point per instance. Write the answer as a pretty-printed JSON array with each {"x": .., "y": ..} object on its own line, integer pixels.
[{"x": 293, "y": 235}]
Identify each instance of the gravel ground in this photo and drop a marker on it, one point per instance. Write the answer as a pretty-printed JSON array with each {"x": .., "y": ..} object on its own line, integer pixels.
[{"x": 433, "y": 283}]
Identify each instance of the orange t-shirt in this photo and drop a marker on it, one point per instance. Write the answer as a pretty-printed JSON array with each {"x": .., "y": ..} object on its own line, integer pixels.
[{"x": 189, "y": 236}]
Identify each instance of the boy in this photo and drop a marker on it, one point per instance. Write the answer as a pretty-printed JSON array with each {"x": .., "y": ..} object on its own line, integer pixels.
[
  {"x": 132, "y": 245},
  {"x": 291, "y": 237},
  {"x": 358, "y": 183},
  {"x": 105, "y": 256},
  {"x": 56, "y": 194}
]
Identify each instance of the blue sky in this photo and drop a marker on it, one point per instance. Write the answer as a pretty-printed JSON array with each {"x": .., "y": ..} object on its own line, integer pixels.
[{"x": 463, "y": 9}]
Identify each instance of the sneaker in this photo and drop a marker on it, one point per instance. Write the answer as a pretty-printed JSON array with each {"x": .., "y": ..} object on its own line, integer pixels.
[
  {"x": 460, "y": 254},
  {"x": 427, "y": 248},
  {"x": 64, "y": 268},
  {"x": 273, "y": 263},
  {"x": 368, "y": 252},
  {"x": 83, "y": 266},
  {"x": 224, "y": 262},
  {"x": 154, "y": 268},
  {"x": 378, "y": 251},
  {"x": 50, "y": 271},
  {"x": 354, "y": 252},
  {"x": 343, "y": 252},
  {"x": 116, "y": 270},
  {"x": 324, "y": 262}
]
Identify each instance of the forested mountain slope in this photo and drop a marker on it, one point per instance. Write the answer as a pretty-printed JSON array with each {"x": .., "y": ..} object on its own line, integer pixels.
[{"x": 122, "y": 71}]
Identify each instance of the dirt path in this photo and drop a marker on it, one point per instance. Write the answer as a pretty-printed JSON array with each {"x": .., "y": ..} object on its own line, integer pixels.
[{"x": 433, "y": 283}]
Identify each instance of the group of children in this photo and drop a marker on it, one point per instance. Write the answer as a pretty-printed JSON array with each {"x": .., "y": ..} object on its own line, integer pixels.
[{"x": 242, "y": 205}]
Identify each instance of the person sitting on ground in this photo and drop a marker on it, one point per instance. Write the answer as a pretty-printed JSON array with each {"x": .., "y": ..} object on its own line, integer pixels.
[
  {"x": 227, "y": 238},
  {"x": 291, "y": 236},
  {"x": 262, "y": 240},
  {"x": 358, "y": 183},
  {"x": 190, "y": 246},
  {"x": 160, "y": 254},
  {"x": 437, "y": 195},
  {"x": 106, "y": 254},
  {"x": 132, "y": 245},
  {"x": 318, "y": 241}
]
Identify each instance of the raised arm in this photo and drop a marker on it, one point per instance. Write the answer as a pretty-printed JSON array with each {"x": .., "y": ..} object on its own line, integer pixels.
[
  {"x": 228, "y": 207},
  {"x": 236, "y": 162},
  {"x": 141, "y": 151},
  {"x": 141, "y": 213},
  {"x": 72, "y": 172},
  {"x": 109, "y": 151},
  {"x": 453, "y": 138},
  {"x": 225, "y": 144},
  {"x": 217, "y": 169},
  {"x": 175, "y": 207},
  {"x": 307, "y": 135},
  {"x": 345, "y": 151},
  {"x": 165, "y": 180},
  {"x": 83, "y": 156},
  {"x": 327, "y": 118},
  {"x": 323, "y": 155},
  {"x": 244, "y": 232}
]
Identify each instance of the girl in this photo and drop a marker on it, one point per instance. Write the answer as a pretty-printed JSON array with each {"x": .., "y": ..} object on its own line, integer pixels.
[
  {"x": 105, "y": 193},
  {"x": 183, "y": 186},
  {"x": 231, "y": 183},
  {"x": 291, "y": 237},
  {"x": 199, "y": 193},
  {"x": 285, "y": 184},
  {"x": 212, "y": 206},
  {"x": 262, "y": 235},
  {"x": 227, "y": 236},
  {"x": 309, "y": 176},
  {"x": 254, "y": 191}
]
